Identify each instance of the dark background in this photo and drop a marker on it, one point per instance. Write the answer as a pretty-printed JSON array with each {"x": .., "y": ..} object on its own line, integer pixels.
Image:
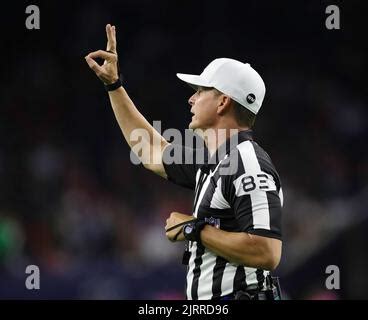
[{"x": 72, "y": 203}]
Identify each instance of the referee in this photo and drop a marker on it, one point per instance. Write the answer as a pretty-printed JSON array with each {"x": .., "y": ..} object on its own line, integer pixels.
[{"x": 234, "y": 234}]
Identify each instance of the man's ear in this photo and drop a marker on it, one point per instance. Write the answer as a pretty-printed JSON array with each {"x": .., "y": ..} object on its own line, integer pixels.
[{"x": 224, "y": 105}]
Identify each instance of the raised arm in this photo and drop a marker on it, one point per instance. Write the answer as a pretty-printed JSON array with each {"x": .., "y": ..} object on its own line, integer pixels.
[{"x": 126, "y": 113}]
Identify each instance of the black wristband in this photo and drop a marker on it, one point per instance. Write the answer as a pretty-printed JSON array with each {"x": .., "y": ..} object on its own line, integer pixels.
[
  {"x": 113, "y": 86},
  {"x": 192, "y": 231},
  {"x": 119, "y": 82}
]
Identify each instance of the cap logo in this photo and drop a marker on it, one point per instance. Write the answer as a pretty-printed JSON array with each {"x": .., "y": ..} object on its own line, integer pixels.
[{"x": 251, "y": 98}]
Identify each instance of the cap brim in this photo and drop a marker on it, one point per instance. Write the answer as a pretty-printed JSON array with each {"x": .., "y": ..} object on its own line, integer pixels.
[{"x": 193, "y": 80}]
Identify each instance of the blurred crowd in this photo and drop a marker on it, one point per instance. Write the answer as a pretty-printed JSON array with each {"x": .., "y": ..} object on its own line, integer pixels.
[{"x": 72, "y": 202}]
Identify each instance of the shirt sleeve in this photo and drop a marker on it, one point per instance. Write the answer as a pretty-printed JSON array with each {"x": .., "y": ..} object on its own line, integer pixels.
[
  {"x": 254, "y": 194},
  {"x": 182, "y": 163}
]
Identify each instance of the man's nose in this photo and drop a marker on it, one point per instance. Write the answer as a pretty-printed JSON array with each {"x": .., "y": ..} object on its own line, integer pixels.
[{"x": 191, "y": 100}]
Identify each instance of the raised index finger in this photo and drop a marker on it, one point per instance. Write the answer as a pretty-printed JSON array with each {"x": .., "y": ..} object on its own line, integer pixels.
[{"x": 111, "y": 38}]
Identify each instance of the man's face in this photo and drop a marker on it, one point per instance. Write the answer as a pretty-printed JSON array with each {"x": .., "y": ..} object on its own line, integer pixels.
[{"x": 204, "y": 108}]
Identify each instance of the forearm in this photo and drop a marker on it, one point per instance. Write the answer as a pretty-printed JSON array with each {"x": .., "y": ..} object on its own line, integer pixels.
[
  {"x": 142, "y": 138},
  {"x": 130, "y": 119},
  {"x": 241, "y": 248}
]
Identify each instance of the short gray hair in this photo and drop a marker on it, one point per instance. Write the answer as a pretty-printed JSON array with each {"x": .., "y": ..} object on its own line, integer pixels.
[{"x": 244, "y": 117}]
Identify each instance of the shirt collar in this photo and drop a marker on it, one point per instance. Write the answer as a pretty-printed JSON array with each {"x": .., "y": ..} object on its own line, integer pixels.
[{"x": 225, "y": 149}]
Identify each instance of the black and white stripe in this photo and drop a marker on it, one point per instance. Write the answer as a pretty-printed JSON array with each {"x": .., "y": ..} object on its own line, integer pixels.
[
  {"x": 248, "y": 200},
  {"x": 210, "y": 276}
]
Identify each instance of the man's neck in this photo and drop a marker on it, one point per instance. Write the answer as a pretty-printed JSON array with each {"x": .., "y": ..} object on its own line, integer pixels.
[{"x": 214, "y": 138}]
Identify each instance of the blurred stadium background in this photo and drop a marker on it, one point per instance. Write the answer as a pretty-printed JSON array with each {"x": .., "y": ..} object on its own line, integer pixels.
[{"x": 71, "y": 201}]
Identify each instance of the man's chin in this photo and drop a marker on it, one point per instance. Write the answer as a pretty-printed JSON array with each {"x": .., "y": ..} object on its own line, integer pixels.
[{"x": 192, "y": 126}]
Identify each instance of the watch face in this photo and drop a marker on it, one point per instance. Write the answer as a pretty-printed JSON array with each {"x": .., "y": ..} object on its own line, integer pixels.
[{"x": 188, "y": 228}]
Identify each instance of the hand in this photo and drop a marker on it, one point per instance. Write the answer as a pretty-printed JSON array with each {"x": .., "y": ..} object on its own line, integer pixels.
[
  {"x": 108, "y": 72},
  {"x": 174, "y": 219}
]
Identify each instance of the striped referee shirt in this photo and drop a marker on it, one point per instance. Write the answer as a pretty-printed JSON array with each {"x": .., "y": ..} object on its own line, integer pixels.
[{"x": 238, "y": 188}]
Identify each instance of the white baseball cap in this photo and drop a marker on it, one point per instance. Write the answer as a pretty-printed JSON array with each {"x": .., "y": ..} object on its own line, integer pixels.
[{"x": 236, "y": 79}]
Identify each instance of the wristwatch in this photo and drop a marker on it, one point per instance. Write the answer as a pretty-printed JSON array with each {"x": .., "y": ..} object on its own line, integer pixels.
[{"x": 193, "y": 230}]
